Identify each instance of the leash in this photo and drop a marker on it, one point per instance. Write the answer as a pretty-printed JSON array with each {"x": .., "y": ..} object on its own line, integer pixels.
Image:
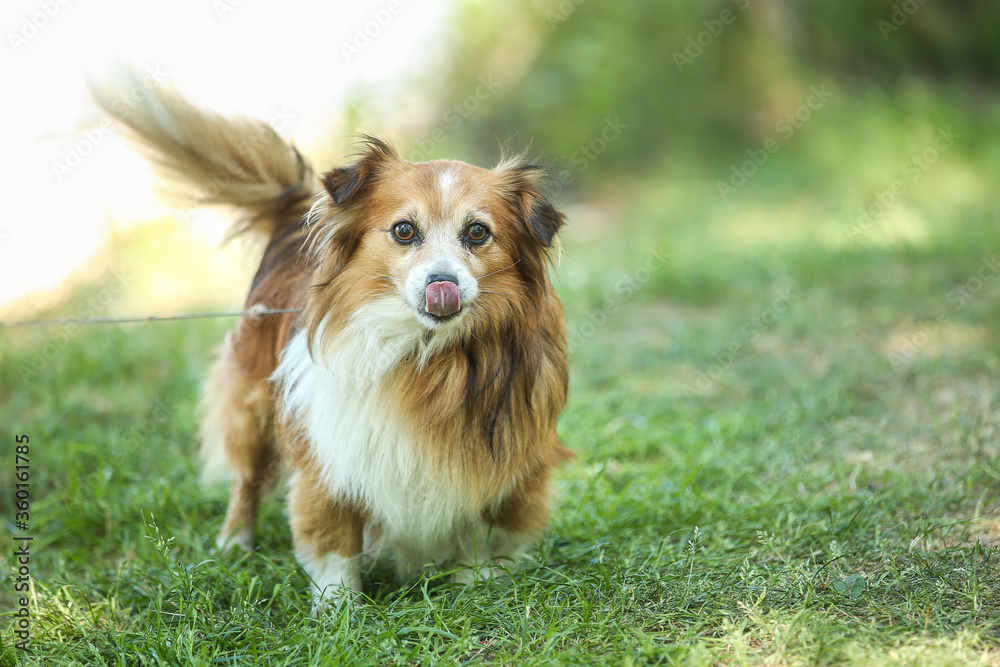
[{"x": 256, "y": 312}]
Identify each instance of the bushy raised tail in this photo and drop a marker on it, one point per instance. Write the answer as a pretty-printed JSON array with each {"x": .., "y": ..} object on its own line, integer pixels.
[{"x": 205, "y": 159}]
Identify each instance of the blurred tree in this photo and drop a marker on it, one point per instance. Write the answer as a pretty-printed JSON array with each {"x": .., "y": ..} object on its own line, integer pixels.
[{"x": 689, "y": 75}]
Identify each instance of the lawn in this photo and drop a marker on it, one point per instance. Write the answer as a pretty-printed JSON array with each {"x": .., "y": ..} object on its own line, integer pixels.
[{"x": 786, "y": 415}]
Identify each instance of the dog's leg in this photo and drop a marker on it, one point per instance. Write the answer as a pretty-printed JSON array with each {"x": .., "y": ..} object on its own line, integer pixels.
[
  {"x": 328, "y": 536},
  {"x": 489, "y": 551},
  {"x": 238, "y": 424},
  {"x": 506, "y": 530}
]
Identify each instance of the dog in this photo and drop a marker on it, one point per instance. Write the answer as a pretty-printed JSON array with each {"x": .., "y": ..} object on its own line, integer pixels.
[{"x": 413, "y": 399}]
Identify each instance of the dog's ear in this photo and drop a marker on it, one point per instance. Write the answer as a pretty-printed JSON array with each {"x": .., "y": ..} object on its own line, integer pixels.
[
  {"x": 345, "y": 183},
  {"x": 524, "y": 191},
  {"x": 542, "y": 217}
]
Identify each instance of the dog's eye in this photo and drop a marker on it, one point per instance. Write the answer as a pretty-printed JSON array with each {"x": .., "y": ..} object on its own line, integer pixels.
[
  {"x": 477, "y": 233},
  {"x": 404, "y": 231}
]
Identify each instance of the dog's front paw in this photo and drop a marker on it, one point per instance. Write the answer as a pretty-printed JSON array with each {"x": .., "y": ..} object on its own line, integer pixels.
[
  {"x": 335, "y": 598},
  {"x": 480, "y": 573},
  {"x": 336, "y": 580},
  {"x": 240, "y": 541}
]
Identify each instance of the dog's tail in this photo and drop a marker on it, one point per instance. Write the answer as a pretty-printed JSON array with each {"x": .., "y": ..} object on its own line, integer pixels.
[{"x": 203, "y": 158}]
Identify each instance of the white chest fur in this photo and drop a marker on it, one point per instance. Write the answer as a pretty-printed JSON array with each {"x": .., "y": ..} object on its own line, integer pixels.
[{"x": 365, "y": 451}]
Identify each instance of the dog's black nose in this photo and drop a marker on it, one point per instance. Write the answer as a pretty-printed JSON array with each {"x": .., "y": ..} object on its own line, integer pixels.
[{"x": 441, "y": 278}]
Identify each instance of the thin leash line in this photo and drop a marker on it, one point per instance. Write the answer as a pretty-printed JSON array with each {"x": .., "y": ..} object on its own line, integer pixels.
[{"x": 255, "y": 312}]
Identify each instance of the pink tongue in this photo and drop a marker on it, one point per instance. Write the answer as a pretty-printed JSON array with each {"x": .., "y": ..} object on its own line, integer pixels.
[{"x": 442, "y": 298}]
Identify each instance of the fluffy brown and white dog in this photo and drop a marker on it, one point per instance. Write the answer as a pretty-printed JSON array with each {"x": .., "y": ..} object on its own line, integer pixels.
[{"x": 414, "y": 398}]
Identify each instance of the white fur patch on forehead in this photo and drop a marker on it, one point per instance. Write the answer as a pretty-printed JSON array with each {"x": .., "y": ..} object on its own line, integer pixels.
[{"x": 445, "y": 181}]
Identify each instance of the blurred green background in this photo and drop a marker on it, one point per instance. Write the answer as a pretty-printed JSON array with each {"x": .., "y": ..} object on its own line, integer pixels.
[{"x": 698, "y": 83}]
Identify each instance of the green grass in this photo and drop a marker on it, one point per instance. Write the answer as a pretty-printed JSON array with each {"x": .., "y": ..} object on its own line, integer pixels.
[{"x": 818, "y": 501}]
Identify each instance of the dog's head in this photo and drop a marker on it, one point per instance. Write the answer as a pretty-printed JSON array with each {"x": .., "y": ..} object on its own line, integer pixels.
[{"x": 442, "y": 245}]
